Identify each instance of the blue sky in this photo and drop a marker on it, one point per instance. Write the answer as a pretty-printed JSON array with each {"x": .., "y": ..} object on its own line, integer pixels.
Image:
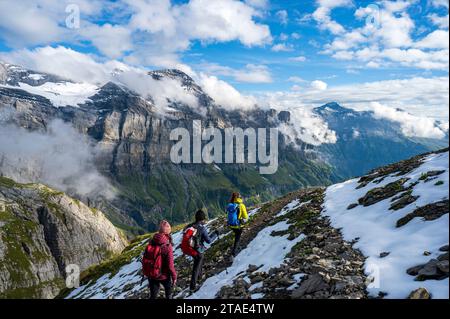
[{"x": 296, "y": 47}]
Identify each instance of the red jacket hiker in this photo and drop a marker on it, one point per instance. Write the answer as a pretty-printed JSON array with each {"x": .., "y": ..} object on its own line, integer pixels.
[{"x": 168, "y": 267}]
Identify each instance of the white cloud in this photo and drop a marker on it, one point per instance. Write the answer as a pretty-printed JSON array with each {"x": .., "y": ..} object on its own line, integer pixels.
[
  {"x": 112, "y": 40},
  {"x": 282, "y": 47},
  {"x": 260, "y": 4},
  {"x": 61, "y": 158},
  {"x": 155, "y": 32},
  {"x": 411, "y": 125},
  {"x": 64, "y": 62},
  {"x": 322, "y": 15},
  {"x": 319, "y": 85},
  {"x": 296, "y": 79},
  {"x": 440, "y": 21},
  {"x": 282, "y": 16},
  {"x": 251, "y": 73},
  {"x": 436, "y": 40},
  {"x": 440, "y": 3},
  {"x": 422, "y": 98},
  {"x": 387, "y": 40},
  {"x": 224, "y": 94},
  {"x": 299, "y": 58}
]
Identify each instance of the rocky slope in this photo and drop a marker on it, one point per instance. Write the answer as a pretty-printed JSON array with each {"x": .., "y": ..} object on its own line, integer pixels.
[
  {"x": 133, "y": 132},
  {"x": 41, "y": 232},
  {"x": 384, "y": 235}
]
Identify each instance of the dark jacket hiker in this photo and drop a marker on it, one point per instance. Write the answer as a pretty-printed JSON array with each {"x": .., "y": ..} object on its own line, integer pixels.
[
  {"x": 158, "y": 262},
  {"x": 195, "y": 236}
]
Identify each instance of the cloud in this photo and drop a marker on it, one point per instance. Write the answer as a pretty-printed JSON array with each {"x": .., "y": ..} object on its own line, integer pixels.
[
  {"x": 60, "y": 157},
  {"x": 440, "y": 3},
  {"x": 385, "y": 40},
  {"x": 303, "y": 124},
  {"x": 224, "y": 94},
  {"x": 420, "y": 97},
  {"x": 296, "y": 79},
  {"x": 299, "y": 58},
  {"x": 151, "y": 32},
  {"x": 64, "y": 62},
  {"x": 322, "y": 15},
  {"x": 282, "y": 47},
  {"x": 319, "y": 85},
  {"x": 112, "y": 40},
  {"x": 251, "y": 73},
  {"x": 411, "y": 125},
  {"x": 440, "y": 21},
  {"x": 282, "y": 16}
]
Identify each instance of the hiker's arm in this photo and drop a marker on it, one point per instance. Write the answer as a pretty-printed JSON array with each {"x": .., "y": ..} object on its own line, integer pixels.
[
  {"x": 206, "y": 237},
  {"x": 243, "y": 213}
]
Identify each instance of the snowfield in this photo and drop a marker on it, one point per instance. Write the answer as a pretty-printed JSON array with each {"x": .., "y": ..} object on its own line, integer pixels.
[
  {"x": 60, "y": 94},
  {"x": 265, "y": 249},
  {"x": 375, "y": 225}
]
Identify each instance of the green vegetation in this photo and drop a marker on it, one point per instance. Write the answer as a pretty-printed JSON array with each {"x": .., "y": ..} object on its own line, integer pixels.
[{"x": 439, "y": 183}]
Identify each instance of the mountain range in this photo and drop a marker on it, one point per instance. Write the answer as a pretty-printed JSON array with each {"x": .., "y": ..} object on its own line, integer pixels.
[{"x": 127, "y": 133}]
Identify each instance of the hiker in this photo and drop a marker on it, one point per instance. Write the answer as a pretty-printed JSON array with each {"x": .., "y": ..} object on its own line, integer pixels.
[
  {"x": 237, "y": 218},
  {"x": 157, "y": 262},
  {"x": 195, "y": 236}
]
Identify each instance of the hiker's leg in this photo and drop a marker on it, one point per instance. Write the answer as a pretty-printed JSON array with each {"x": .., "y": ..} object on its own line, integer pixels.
[
  {"x": 198, "y": 260},
  {"x": 167, "y": 284},
  {"x": 154, "y": 288},
  {"x": 237, "y": 239}
]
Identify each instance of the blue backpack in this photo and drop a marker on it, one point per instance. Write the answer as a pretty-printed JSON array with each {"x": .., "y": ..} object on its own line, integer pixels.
[{"x": 232, "y": 210}]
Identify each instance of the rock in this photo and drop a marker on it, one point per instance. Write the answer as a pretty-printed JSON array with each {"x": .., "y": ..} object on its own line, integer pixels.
[
  {"x": 56, "y": 230},
  {"x": 351, "y": 206},
  {"x": 413, "y": 271},
  {"x": 443, "y": 266},
  {"x": 380, "y": 193},
  {"x": 420, "y": 293},
  {"x": 443, "y": 257},
  {"x": 252, "y": 268},
  {"x": 384, "y": 254},
  {"x": 310, "y": 285},
  {"x": 256, "y": 279},
  {"x": 430, "y": 271},
  {"x": 403, "y": 201},
  {"x": 428, "y": 212},
  {"x": 444, "y": 248},
  {"x": 426, "y": 253}
]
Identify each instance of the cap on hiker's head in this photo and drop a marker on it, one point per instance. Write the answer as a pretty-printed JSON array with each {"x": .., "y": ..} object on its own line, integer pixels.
[
  {"x": 200, "y": 216},
  {"x": 165, "y": 228}
]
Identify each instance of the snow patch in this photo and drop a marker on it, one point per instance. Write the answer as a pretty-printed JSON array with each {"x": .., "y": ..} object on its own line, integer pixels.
[
  {"x": 265, "y": 249},
  {"x": 375, "y": 225}
]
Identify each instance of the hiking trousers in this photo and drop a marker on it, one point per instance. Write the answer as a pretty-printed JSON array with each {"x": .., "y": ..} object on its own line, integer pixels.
[
  {"x": 197, "y": 270},
  {"x": 155, "y": 285},
  {"x": 237, "y": 239}
]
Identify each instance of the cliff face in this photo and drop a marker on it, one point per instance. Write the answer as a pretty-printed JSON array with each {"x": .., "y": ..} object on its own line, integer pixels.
[{"x": 41, "y": 232}]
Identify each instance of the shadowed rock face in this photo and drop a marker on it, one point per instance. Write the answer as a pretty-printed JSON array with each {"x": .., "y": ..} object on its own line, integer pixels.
[{"x": 42, "y": 231}]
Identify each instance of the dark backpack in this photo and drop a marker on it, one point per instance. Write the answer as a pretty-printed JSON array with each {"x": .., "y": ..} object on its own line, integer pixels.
[
  {"x": 152, "y": 261},
  {"x": 233, "y": 214}
]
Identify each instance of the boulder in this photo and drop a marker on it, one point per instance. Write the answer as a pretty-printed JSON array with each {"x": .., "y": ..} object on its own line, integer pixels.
[{"x": 420, "y": 293}]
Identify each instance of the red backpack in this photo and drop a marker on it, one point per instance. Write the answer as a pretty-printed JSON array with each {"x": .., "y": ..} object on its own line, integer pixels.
[
  {"x": 152, "y": 261},
  {"x": 189, "y": 242}
]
